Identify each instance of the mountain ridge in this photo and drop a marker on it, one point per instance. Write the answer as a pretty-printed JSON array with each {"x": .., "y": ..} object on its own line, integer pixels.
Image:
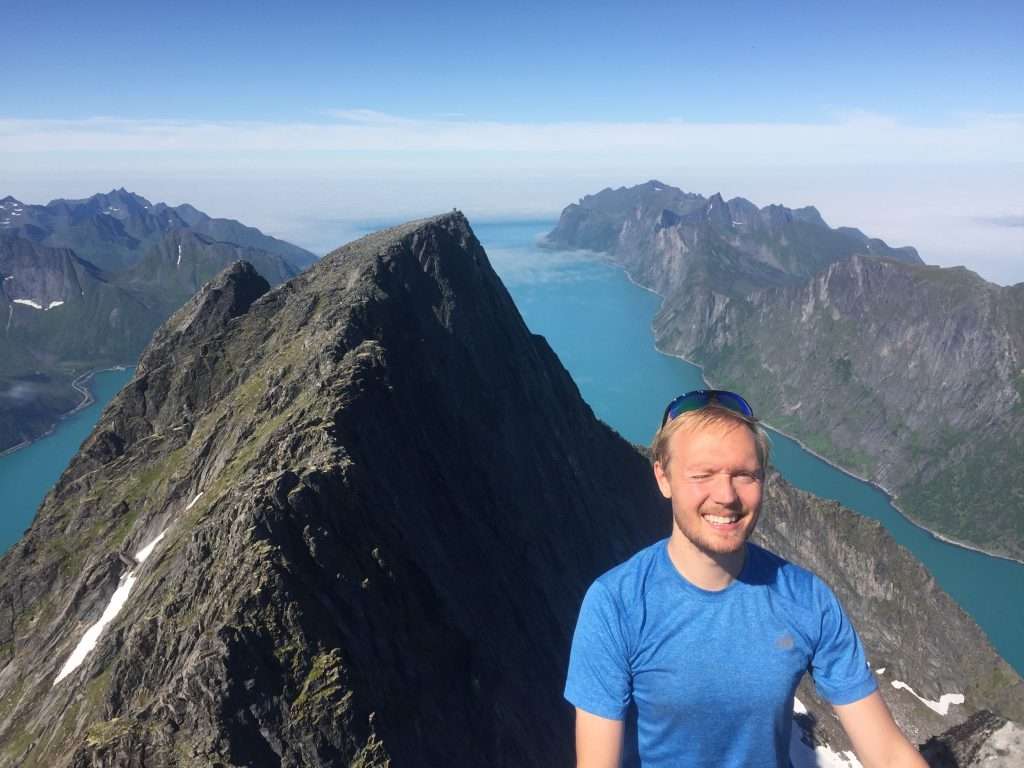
[
  {"x": 113, "y": 229},
  {"x": 358, "y": 512}
]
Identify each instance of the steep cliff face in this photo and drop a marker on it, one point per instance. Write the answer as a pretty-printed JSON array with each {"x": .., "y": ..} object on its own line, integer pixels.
[
  {"x": 910, "y": 375},
  {"x": 59, "y": 316},
  {"x": 349, "y": 521}
]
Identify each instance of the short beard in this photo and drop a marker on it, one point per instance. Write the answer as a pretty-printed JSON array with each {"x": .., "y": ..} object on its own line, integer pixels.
[{"x": 704, "y": 545}]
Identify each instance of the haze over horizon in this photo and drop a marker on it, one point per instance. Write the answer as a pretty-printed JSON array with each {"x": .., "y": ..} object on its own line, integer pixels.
[{"x": 907, "y": 122}]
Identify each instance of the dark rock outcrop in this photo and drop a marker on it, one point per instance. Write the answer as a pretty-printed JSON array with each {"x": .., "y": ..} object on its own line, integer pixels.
[{"x": 985, "y": 740}]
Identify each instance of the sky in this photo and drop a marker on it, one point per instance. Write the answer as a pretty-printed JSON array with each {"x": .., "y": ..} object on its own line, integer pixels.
[{"x": 903, "y": 119}]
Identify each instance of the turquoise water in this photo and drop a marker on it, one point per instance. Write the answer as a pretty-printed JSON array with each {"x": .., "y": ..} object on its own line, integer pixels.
[
  {"x": 598, "y": 323},
  {"x": 27, "y": 475}
]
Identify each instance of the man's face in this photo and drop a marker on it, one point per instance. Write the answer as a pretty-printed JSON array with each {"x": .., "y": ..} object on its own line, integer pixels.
[{"x": 714, "y": 480}]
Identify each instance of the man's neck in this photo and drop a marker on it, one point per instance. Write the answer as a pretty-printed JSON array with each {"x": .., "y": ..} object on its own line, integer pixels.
[{"x": 707, "y": 570}]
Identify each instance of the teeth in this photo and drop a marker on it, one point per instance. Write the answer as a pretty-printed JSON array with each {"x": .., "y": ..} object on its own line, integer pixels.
[{"x": 721, "y": 520}]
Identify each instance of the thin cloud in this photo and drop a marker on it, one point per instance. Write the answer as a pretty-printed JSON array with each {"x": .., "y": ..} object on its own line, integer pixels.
[
  {"x": 857, "y": 138},
  {"x": 1003, "y": 221}
]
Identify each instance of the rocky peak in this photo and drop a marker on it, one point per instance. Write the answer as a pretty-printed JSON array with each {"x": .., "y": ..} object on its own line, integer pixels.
[
  {"x": 717, "y": 213},
  {"x": 224, "y": 298},
  {"x": 346, "y": 472},
  {"x": 810, "y": 215}
]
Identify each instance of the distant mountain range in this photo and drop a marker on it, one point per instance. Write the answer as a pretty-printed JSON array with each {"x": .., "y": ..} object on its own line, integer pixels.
[
  {"x": 114, "y": 230},
  {"x": 84, "y": 283},
  {"x": 349, "y": 522},
  {"x": 910, "y": 375}
]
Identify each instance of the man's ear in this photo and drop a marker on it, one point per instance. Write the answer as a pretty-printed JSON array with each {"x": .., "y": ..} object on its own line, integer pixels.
[{"x": 662, "y": 477}]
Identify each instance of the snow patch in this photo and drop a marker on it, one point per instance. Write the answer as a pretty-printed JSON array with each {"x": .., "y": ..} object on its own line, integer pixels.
[
  {"x": 30, "y": 303},
  {"x": 803, "y": 756},
  {"x": 117, "y": 601},
  {"x": 880, "y": 671},
  {"x": 192, "y": 503},
  {"x": 9, "y": 277},
  {"x": 941, "y": 706},
  {"x": 147, "y": 550},
  {"x": 179, "y": 255}
]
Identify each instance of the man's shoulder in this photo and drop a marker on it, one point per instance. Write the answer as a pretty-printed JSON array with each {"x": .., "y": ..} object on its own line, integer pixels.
[
  {"x": 630, "y": 579},
  {"x": 789, "y": 580}
]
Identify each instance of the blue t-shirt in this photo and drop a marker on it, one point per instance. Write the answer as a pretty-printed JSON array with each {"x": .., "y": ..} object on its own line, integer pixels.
[{"x": 707, "y": 678}]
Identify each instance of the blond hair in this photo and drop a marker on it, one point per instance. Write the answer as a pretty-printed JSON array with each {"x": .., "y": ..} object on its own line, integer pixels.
[{"x": 708, "y": 416}]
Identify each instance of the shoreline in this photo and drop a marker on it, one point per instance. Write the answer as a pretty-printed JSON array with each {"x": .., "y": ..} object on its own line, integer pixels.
[
  {"x": 80, "y": 385},
  {"x": 890, "y": 497}
]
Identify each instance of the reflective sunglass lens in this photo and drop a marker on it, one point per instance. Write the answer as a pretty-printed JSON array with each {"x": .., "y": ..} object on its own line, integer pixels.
[{"x": 691, "y": 401}]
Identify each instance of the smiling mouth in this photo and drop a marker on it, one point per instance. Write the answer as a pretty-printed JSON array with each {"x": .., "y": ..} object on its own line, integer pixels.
[{"x": 721, "y": 521}]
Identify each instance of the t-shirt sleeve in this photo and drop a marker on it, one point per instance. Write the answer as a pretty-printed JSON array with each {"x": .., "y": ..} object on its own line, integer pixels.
[
  {"x": 599, "y": 680},
  {"x": 839, "y": 667}
]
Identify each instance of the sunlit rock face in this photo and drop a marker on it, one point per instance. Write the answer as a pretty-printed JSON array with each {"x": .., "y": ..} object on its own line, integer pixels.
[{"x": 908, "y": 374}]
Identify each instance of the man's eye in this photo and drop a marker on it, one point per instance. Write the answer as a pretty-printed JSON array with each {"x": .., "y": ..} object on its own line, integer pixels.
[
  {"x": 746, "y": 478},
  {"x": 700, "y": 476}
]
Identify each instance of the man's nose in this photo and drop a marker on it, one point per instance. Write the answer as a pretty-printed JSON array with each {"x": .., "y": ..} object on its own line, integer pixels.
[{"x": 722, "y": 490}]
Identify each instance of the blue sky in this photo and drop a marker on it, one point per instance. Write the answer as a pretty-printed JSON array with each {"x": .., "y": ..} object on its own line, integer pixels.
[
  {"x": 706, "y": 61},
  {"x": 905, "y": 119}
]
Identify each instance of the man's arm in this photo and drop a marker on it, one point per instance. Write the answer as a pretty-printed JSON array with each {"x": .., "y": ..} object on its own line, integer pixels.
[
  {"x": 598, "y": 741},
  {"x": 876, "y": 738}
]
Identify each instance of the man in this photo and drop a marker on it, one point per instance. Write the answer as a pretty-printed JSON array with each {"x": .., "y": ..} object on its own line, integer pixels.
[{"x": 689, "y": 653}]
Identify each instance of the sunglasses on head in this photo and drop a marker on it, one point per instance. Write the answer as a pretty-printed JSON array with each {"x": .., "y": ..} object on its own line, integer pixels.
[{"x": 699, "y": 398}]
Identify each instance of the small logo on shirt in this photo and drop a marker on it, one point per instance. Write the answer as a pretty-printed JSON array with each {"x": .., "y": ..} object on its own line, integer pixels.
[{"x": 784, "y": 642}]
